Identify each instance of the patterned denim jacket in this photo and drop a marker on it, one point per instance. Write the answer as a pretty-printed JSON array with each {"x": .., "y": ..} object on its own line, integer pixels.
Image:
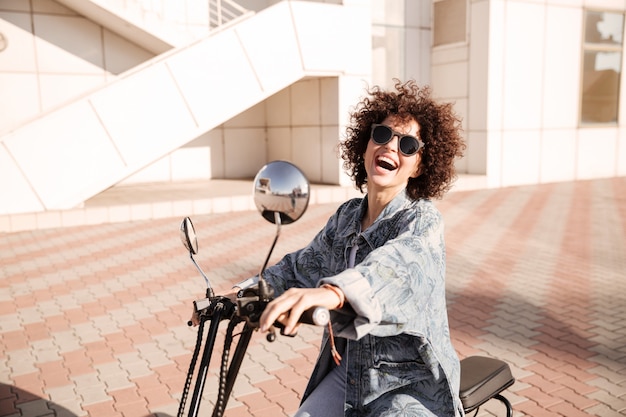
[{"x": 393, "y": 329}]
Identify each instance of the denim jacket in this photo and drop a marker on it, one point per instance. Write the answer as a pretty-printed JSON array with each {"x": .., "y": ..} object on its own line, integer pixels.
[{"x": 393, "y": 329}]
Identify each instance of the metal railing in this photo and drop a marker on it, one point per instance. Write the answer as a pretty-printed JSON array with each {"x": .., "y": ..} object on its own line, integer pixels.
[
  {"x": 224, "y": 11},
  {"x": 219, "y": 12}
]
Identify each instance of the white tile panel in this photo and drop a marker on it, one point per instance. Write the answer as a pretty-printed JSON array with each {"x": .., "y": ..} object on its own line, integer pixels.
[
  {"x": 213, "y": 94},
  {"x": 351, "y": 90},
  {"x": 476, "y": 154},
  {"x": 523, "y": 65},
  {"x": 215, "y": 141},
  {"x": 605, "y": 4},
  {"x": 275, "y": 56},
  {"x": 329, "y": 108},
  {"x": 17, "y": 195},
  {"x": 622, "y": 96},
  {"x": 254, "y": 116},
  {"x": 16, "y": 5},
  {"x": 26, "y": 221},
  {"x": 520, "y": 157},
  {"x": 424, "y": 66},
  {"x": 121, "y": 55},
  {"x": 19, "y": 54},
  {"x": 75, "y": 49},
  {"x": 494, "y": 12},
  {"x": 461, "y": 109},
  {"x": 142, "y": 211},
  {"x": 450, "y": 80},
  {"x": 380, "y": 59},
  {"x": 330, "y": 36},
  {"x": 305, "y": 100},
  {"x": 447, "y": 54},
  {"x": 414, "y": 55},
  {"x": 81, "y": 157},
  {"x": 145, "y": 115},
  {"x": 597, "y": 153},
  {"x": 278, "y": 108},
  {"x": 182, "y": 208},
  {"x": 478, "y": 75},
  {"x": 72, "y": 218},
  {"x": 621, "y": 152},
  {"x": 190, "y": 164},
  {"x": 307, "y": 148},
  {"x": 558, "y": 155},
  {"x": 355, "y": 31},
  {"x": 24, "y": 91},
  {"x": 122, "y": 213},
  {"x": 388, "y": 12},
  {"x": 245, "y": 152},
  {"x": 494, "y": 161},
  {"x": 330, "y": 160},
  {"x": 568, "y": 3},
  {"x": 57, "y": 89},
  {"x": 420, "y": 9},
  {"x": 279, "y": 143},
  {"x": 157, "y": 171},
  {"x": 561, "y": 87},
  {"x": 51, "y": 6},
  {"x": 52, "y": 219}
]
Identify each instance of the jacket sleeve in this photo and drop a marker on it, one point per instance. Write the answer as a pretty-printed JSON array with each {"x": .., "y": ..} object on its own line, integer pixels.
[
  {"x": 305, "y": 267},
  {"x": 400, "y": 286}
]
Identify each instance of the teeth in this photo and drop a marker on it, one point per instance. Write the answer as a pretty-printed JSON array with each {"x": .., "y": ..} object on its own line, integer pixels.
[{"x": 387, "y": 163}]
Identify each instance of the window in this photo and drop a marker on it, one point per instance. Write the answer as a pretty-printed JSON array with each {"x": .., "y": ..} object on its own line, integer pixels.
[
  {"x": 449, "y": 25},
  {"x": 389, "y": 20},
  {"x": 602, "y": 58}
]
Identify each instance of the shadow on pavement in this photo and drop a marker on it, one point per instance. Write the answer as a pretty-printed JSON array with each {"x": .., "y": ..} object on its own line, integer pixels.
[
  {"x": 16, "y": 402},
  {"x": 555, "y": 341}
]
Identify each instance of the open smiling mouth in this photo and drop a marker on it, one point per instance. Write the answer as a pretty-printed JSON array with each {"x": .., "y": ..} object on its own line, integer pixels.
[{"x": 386, "y": 163}]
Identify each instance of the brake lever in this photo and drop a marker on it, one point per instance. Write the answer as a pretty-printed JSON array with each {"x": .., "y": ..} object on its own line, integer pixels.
[{"x": 282, "y": 330}]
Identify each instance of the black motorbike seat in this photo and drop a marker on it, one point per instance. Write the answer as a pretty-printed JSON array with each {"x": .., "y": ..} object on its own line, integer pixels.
[{"x": 483, "y": 378}]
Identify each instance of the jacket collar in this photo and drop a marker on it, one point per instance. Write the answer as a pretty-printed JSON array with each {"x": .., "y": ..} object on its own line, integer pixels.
[{"x": 353, "y": 225}]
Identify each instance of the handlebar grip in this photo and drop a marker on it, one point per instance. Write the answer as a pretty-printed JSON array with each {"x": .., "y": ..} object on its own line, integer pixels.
[{"x": 319, "y": 316}]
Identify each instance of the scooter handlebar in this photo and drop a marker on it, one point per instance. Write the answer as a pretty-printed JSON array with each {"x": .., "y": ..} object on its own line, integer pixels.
[{"x": 318, "y": 316}]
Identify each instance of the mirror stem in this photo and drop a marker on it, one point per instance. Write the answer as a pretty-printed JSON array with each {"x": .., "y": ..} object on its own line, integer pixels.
[
  {"x": 264, "y": 292},
  {"x": 209, "y": 290}
]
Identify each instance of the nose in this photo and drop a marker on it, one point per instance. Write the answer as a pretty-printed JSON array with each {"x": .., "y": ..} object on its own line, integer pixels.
[{"x": 393, "y": 143}]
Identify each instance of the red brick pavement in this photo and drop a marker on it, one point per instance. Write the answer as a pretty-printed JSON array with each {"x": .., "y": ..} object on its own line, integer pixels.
[{"x": 92, "y": 319}]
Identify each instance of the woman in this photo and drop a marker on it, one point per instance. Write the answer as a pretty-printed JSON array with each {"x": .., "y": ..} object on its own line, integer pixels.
[{"x": 379, "y": 266}]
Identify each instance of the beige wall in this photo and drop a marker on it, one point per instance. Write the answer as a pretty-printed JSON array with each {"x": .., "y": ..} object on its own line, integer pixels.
[
  {"x": 39, "y": 73},
  {"x": 199, "y": 111},
  {"x": 516, "y": 81}
]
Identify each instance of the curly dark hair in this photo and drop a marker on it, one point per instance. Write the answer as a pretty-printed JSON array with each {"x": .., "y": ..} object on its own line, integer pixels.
[{"x": 440, "y": 130}]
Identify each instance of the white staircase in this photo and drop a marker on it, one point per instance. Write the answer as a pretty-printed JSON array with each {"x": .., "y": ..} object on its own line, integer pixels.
[{"x": 69, "y": 155}]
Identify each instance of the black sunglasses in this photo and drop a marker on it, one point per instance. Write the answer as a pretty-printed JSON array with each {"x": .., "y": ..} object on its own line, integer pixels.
[{"x": 408, "y": 144}]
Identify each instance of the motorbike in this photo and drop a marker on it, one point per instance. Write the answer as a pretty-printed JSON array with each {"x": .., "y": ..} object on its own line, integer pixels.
[{"x": 281, "y": 195}]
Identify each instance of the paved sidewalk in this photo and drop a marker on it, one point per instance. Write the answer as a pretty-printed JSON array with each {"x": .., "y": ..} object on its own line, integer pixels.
[{"x": 92, "y": 318}]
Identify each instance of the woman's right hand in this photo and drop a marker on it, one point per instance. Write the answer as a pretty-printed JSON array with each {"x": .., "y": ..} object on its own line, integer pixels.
[{"x": 290, "y": 305}]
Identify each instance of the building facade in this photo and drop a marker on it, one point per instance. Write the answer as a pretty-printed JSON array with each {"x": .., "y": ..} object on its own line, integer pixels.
[{"x": 97, "y": 94}]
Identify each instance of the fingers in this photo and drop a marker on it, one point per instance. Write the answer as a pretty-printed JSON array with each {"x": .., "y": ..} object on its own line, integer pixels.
[
  {"x": 282, "y": 309},
  {"x": 288, "y": 308},
  {"x": 276, "y": 310}
]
